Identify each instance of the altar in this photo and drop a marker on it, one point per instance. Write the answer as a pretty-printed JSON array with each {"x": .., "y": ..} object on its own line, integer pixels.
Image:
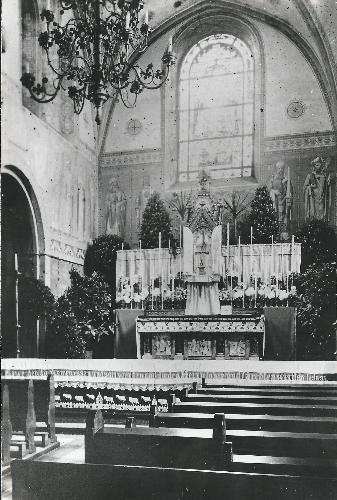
[
  {"x": 201, "y": 337},
  {"x": 210, "y": 284}
]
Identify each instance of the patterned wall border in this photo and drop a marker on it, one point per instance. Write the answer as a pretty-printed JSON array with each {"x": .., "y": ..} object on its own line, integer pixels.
[
  {"x": 300, "y": 141},
  {"x": 66, "y": 251},
  {"x": 130, "y": 158}
]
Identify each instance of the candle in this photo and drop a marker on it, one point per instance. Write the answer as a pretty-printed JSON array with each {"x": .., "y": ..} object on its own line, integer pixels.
[
  {"x": 122, "y": 246},
  {"x": 281, "y": 264},
  {"x": 181, "y": 253},
  {"x": 170, "y": 45},
  {"x": 140, "y": 244},
  {"x": 127, "y": 21},
  {"x": 255, "y": 294},
  {"x": 251, "y": 250},
  {"x": 272, "y": 256},
  {"x": 16, "y": 264},
  {"x": 240, "y": 266},
  {"x": 146, "y": 17}
]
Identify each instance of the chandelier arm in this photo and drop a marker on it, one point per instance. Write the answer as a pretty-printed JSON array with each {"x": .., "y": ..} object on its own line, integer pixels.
[
  {"x": 127, "y": 104},
  {"x": 44, "y": 100},
  {"x": 149, "y": 86}
]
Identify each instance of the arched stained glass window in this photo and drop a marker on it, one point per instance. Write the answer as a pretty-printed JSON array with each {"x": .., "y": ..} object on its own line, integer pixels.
[{"x": 216, "y": 109}]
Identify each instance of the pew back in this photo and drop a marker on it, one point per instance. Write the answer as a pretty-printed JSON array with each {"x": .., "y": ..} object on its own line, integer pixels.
[
  {"x": 47, "y": 481},
  {"x": 156, "y": 447}
]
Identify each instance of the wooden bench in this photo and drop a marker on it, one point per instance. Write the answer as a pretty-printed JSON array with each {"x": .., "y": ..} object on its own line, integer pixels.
[
  {"x": 24, "y": 402},
  {"x": 157, "y": 447},
  {"x": 77, "y": 481}
]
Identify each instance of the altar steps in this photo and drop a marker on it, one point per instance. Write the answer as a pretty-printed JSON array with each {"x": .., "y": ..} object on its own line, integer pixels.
[
  {"x": 277, "y": 423},
  {"x": 250, "y": 408}
]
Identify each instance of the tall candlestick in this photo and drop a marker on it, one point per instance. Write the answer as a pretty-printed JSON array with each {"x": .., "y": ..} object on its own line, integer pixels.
[
  {"x": 281, "y": 264},
  {"x": 255, "y": 291},
  {"x": 251, "y": 250},
  {"x": 240, "y": 266},
  {"x": 292, "y": 253},
  {"x": 181, "y": 250},
  {"x": 16, "y": 265},
  {"x": 272, "y": 256}
]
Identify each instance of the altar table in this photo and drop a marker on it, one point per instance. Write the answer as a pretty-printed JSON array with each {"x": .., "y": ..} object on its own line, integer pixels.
[{"x": 201, "y": 337}]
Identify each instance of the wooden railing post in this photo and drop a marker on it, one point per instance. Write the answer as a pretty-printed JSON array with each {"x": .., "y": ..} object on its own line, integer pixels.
[
  {"x": 203, "y": 382},
  {"x": 171, "y": 400},
  {"x": 223, "y": 454},
  {"x": 30, "y": 418},
  {"x": 153, "y": 415},
  {"x": 6, "y": 426},
  {"x": 93, "y": 423},
  {"x": 219, "y": 427},
  {"x": 130, "y": 423},
  {"x": 194, "y": 388},
  {"x": 51, "y": 409}
]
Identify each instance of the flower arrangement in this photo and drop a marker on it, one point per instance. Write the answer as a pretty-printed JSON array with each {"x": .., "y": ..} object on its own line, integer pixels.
[{"x": 132, "y": 294}]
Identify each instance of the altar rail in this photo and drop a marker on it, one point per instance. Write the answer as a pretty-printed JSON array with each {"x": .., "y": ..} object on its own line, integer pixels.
[{"x": 150, "y": 374}]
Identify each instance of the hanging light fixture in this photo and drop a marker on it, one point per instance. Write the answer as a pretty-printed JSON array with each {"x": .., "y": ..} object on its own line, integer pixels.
[{"x": 94, "y": 55}]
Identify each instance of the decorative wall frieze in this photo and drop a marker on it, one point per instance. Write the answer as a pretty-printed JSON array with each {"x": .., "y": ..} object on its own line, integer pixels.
[
  {"x": 130, "y": 158},
  {"x": 66, "y": 251},
  {"x": 302, "y": 141}
]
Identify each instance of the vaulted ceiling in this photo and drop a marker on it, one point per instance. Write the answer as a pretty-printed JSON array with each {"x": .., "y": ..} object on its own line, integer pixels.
[{"x": 312, "y": 21}]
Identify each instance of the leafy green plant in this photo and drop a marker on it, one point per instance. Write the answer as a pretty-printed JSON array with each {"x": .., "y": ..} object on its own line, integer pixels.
[
  {"x": 261, "y": 217},
  {"x": 82, "y": 316},
  {"x": 319, "y": 243},
  {"x": 35, "y": 298},
  {"x": 316, "y": 311},
  {"x": 156, "y": 220},
  {"x": 100, "y": 257}
]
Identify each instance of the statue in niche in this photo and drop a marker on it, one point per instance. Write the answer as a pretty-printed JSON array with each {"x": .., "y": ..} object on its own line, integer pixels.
[
  {"x": 317, "y": 190},
  {"x": 115, "y": 209},
  {"x": 281, "y": 195}
]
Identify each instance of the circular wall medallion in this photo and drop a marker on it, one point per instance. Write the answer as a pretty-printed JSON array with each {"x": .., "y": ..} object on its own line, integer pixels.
[
  {"x": 134, "y": 126},
  {"x": 295, "y": 109}
]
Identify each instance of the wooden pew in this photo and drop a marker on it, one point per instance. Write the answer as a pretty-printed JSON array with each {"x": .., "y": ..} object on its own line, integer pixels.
[
  {"x": 157, "y": 447},
  {"x": 77, "y": 481},
  {"x": 24, "y": 402}
]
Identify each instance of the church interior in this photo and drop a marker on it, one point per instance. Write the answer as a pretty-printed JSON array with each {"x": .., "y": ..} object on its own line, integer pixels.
[{"x": 169, "y": 249}]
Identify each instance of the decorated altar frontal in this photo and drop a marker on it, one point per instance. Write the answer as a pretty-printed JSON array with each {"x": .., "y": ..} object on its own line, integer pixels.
[{"x": 201, "y": 337}]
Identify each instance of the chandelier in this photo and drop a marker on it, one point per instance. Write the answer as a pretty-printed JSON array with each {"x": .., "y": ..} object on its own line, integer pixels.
[{"x": 94, "y": 55}]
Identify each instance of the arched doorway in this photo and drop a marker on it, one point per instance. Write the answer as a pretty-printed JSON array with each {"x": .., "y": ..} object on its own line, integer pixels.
[{"x": 19, "y": 236}]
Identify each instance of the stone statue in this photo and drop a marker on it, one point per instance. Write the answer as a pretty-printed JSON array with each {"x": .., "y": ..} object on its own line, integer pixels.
[
  {"x": 281, "y": 195},
  {"x": 115, "y": 209},
  {"x": 317, "y": 191}
]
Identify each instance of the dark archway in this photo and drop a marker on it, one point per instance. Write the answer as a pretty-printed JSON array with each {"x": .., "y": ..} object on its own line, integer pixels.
[{"x": 18, "y": 236}]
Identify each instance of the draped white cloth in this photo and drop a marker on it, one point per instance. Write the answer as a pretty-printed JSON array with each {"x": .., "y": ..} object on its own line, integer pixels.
[
  {"x": 244, "y": 261},
  {"x": 202, "y": 298}
]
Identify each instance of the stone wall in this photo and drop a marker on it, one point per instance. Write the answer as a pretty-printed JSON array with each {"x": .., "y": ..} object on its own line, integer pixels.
[
  {"x": 292, "y": 122},
  {"x": 54, "y": 151}
]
